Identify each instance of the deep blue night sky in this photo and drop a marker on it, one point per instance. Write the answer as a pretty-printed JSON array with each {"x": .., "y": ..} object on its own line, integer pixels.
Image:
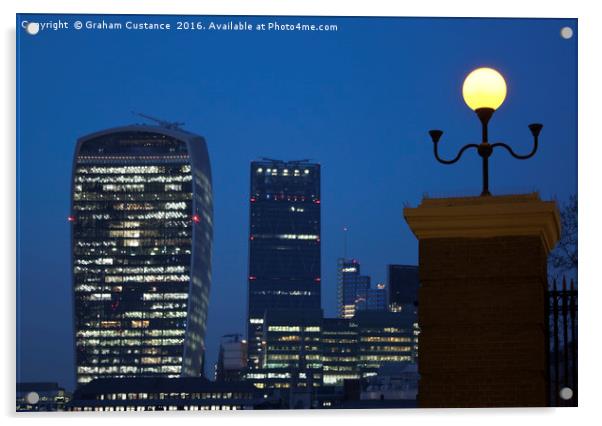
[{"x": 359, "y": 101}]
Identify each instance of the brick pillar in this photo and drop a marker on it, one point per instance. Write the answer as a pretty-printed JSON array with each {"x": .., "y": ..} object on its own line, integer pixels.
[{"x": 483, "y": 275}]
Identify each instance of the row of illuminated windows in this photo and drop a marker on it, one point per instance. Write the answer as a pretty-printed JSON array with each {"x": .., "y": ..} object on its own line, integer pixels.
[
  {"x": 95, "y": 243},
  {"x": 105, "y": 297},
  {"x": 296, "y": 348},
  {"x": 141, "y": 216},
  {"x": 331, "y": 379},
  {"x": 385, "y": 348},
  {"x": 142, "y": 233},
  {"x": 165, "y": 296},
  {"x": 127, "y": 369},
  {"x": 284, "y": 357},
  {"x": 110, "y": 197},
  {"x": 146, "y": 279},
  {"x": 290, "y": 338},
  {"x": 276, "y": 365},
  {"x": 95, "y": 239},
  {"x": 385, "y": 339},
  {"x": 287, "y": 328},
  {"x": 120, "y": 170},
  {"x": 283, "y": 172},
  {"x": 142, "y": 269},
  {"x": 134, "y": 187},
  {"x": 142, "y": 251},
  {"x": 86, "y": 334},
  {"x": 161, "y": 408},
  {"x": 92, "y": 250},
  {"x": 145, "y": 360},
  {"x": 93, "y": 329},
  {"x": 168, "y": 180},
  {"x": 386, "y": 358},
  {"x": 329, "y": 367},
  {"x": 127, "y": 187},
  {"x": 174, "y": 395},
  {"x": 102, "y": 179},
  {"x": 339, "y": 349},
  {"x": 87, "y": 288},
  {"x": 131, "y": 333},
  {"x": 171, "y": 205},
  {"x": 337, "y": 341},
  {"x": 284, "y": 293},
  {"x": 84, "y": 378},
  {"x": 131, "y": 342},
  {"x": 120, "y": 352},
  {"x": 151, "y": 315},
  {"x": 93, "y": 283},
  {"x": 287, "y": 236}
]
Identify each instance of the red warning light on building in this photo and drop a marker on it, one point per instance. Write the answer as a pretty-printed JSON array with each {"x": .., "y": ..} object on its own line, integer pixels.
[
  {"x": 71, "y": 218},
  {"x": 196, "y": 218}
]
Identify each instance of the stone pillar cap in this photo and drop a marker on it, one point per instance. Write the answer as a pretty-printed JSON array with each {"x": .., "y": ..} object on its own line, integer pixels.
[{"x": 486, "y": 217}]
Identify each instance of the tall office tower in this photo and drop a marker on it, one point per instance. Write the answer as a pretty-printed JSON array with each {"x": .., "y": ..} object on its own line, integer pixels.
[
  {"x": 232, "y": 359},
  {"x": 403, "y": 286},
  {"x": 142, "y": 229},
  {"x": 284, "y": 242},
  {"x": 352, "y": 287}
]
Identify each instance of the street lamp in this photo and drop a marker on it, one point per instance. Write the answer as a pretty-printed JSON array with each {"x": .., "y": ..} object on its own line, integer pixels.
[{"x": 484, "y": 91}]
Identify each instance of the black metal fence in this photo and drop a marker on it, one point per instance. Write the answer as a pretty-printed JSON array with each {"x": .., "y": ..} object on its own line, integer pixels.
[{"x": 562, "y": 354}]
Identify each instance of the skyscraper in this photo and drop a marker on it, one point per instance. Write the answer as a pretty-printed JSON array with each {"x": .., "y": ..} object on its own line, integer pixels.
[
  {"x": 284, "y": 242},
  {"x": 142, "y": 230}
]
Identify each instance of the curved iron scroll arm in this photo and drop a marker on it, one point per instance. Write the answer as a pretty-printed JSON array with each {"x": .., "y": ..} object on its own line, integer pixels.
[
  {"x": 535, "y": 129},
  {"x": 464, "y": 148}
]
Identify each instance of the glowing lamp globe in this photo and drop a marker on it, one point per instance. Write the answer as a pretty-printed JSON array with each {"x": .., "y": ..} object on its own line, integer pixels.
[{"x": 484, "y": 88}]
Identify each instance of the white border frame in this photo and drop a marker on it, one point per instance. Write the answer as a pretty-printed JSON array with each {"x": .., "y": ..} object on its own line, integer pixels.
[{"x": 590, "y": 174}]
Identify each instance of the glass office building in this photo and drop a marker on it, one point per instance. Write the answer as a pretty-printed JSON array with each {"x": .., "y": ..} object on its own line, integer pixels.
[
  {"x": 291, "y": 356},
  {"x": 352, "y": 288},
  {"x": 284, "y": 242},
  {"x": 142, "y": 230},
  {"x": 340, "y": 356},
  {"x": 402, "y": 287}
]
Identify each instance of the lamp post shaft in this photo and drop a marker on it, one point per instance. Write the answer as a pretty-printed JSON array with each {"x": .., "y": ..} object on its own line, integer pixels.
[
  {"x": 485, "y": 149},
  {"x": 485, "y": 190}
]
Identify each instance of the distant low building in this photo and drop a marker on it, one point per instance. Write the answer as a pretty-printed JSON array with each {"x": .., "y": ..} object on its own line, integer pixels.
[
  {"x": 301, "y": 349},
  {"x": 385, "y": 338},
  {"x": 376, "y": 300},
  {"x": 291, "y": 353},
  {"x": 232, "y": 359},
  {"x": 168, "y": 394},
  {"x": 41, "y": 396},
  {"x": 392, "y": 382},
  {"x": 354, "y": 291},
  {"x": 352, "y": 287},
  {"x": 340, "y": 358}
]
